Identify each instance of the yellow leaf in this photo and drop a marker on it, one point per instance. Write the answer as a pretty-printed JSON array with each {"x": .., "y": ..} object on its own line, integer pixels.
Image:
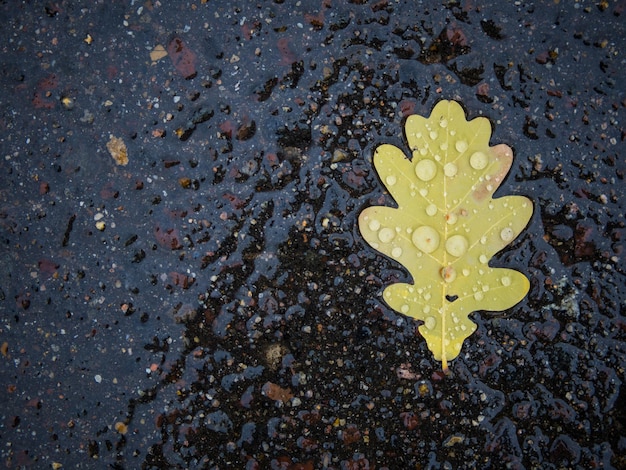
[{"x": 447, "y": 225}]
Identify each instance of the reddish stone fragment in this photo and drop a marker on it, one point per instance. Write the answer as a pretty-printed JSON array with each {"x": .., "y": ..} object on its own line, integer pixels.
[
  {"x": 275, "y": 392},
  {"x": 409, "y": 419},
  {"x": 47, "y": 267},
  {"x": 183, "y": 58},
  {"x": 168, "y": 238},
  {"x": 43, "y": 98},
  {"x": 287, "y": 56},
  {"x": 181, "y": 280},
  {"x": 351, "y": 435}
]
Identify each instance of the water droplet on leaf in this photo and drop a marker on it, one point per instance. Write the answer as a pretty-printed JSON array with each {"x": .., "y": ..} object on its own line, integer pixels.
[
  {"x": 478, "y": 160},
  {"x": 426, "y": 169},
  {"x": 457, "y": 245},
  {"x": 425, "y": 238}
]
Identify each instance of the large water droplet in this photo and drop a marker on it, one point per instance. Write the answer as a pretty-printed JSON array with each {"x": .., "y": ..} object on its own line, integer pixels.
[
  {"x": 478, "y": 160},
  {"x": 391, "y": 180},
  {"x": 507, "y": 234},
  {"x": 430, "y": 322},
  {"x": 426, "y": 169},
  {"x": 425, "y": 238},
  {"x": 396, "y": 252},
  {"x": 450, "y": 169},
  {"x": 374, "y": 225},
  {"x": 443, "y": 123},
  {"x": 431, "y": 209},
  {"x": 386, "y": 235},
  {"x": 457, "y": 245},
  {"x": 460, "y": 146}
]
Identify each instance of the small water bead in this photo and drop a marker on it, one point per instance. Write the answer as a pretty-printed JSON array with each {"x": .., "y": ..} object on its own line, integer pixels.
[
  {"x": 478, "y": 160},
  {"x": 478, "y": 295},
  {"x": 506, "y": 281},
  {"x": 430, "y": 322},
  {"x": 443, "y": 123},
  {"x": 466, "y": 272},
  {"x": 431, "y": 209},
  {"x": 404, "y": 309},
  {"x": 396, "y": 252},
  {"x": 451, "y": 218},
  {"x": 450, "y": 169},
  {"x": 386, "y": 234},
  {"x": 433, "y": 135},
  {"x": 443, "y": 146},
  {"x": 423, "y": 192},
  {"x": 426, "y": 169},
  {"x": 374, "y": 225},
  {"x": 460, "y": 146},
  {"x": 483, "y": 259},
  {"x": 391, "y": 180},
  {"x": 457, "y": 245},
  {"x": 425, "y": 238},
  {"x": 507, "y": 234},
  {"x": 426, "y": 309}
]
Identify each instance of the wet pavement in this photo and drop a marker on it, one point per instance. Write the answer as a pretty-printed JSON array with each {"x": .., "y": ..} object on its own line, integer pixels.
[{"x": 183, "y": 280}]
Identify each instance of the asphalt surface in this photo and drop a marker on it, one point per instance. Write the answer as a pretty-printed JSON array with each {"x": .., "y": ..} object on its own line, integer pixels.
[{"x": 183, "y": 283}]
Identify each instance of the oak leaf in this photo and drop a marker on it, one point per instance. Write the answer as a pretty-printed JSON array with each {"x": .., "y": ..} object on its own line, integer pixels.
[{"x": 447, "y": 225}]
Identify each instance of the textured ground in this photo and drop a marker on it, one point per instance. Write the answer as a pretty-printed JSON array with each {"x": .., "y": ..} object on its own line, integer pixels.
[{"x": 212, "y": 304}]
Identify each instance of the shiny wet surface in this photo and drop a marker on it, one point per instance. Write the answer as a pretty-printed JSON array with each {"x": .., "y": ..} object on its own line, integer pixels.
[{"x": 211, "y": 304}]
